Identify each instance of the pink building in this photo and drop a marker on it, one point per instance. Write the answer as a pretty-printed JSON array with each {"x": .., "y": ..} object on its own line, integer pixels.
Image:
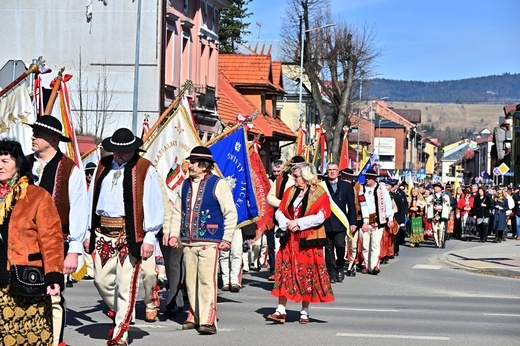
[{"x": 191, "y": 52}]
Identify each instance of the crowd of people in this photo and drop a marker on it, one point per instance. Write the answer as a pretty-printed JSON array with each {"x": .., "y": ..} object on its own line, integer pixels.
[{"x": 118, "y": 220}]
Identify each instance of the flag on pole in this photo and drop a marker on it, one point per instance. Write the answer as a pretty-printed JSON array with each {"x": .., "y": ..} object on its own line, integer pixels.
[
  {"x": 300, "y": 140},
  {"x": 368, "y": 165},
  {"x": 319, "y": 159},
  {"x": 262, "y": 186},
  {"x": 231, "y": 156},
  {"x": 16, "y": 110},
  {"x": 343, "y": 157},
  {"x": 72, "y": 147},
  {"x": 168, "y": 147}
]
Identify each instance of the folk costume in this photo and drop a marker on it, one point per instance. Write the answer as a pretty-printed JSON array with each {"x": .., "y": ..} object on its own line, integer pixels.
[
  {"x": 438, "y": 209},
  {"x": 30, "y": 235},
  {"x": 65, "y": 182},
  {"x": 127, "y": 211},
  {"x": 415, "y": 214},
  {"x": 354, "y": 242},
  {"x": 205, "y": 216},
  {"x": 376, "y": 208},
  {"x": 465, "y": 205},
  {"x": 300, "y": 270}
]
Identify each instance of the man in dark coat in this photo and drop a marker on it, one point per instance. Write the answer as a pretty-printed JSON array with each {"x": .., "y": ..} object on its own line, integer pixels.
[
  {"x": 401, "y": 201},
  {"x": 342, "y": 194}
]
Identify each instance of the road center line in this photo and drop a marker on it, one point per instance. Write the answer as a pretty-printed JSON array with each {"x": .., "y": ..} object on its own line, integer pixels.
[
  {"x": 503, "y": 315},
  {"x": 389, "y": 336}
]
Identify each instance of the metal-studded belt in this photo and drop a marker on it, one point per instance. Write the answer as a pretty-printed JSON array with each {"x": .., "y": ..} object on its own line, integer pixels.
[{"x": 112, "y": 226}]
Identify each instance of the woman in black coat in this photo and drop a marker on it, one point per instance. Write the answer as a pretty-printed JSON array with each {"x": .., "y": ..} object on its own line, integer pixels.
[{"x": 482, "y": 204}]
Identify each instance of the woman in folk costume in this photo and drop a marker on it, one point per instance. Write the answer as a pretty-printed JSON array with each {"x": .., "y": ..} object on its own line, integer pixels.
[
  {"x": 300, "y": 270},
  {"x": 31, "y": 236},
  {"x": 465, "y": 205},
  {"x": 387, "y": 241},
  {"x": 415, "y": 214},
  {"x": 428, "y": 231}
]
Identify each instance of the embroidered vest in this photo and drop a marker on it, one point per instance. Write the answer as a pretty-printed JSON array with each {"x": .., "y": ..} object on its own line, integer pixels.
[
  {"x": 133, "y": 191},
  {"x": 55, "y": 179},
  {"x": 204, "y": 221}
]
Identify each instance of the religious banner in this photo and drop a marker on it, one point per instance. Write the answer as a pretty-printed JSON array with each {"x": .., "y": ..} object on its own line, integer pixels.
[
  {"x": 169, "y": 146},
  {"x": 16, "y": 110},
  {"x": 231, "y": 156},
  {"x": 262, "y": 185}
]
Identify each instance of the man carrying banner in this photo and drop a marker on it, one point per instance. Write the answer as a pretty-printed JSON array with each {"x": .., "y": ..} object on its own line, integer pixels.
[
  {"x": 376, "y": 209},
  {"x": 64, "y": 181},
  {"x": 204, "y": 220},
  {"x": 127, "y": 212},
  {"x": 341, "y": 194}
]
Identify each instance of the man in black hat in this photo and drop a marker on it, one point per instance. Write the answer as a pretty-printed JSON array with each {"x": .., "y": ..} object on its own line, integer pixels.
[
  {"x": 438, "y": 208},
  {"x": 376, "y": 209},
  {"x": 64, "y": 180},
  {"x": 127, "y": 212},
  {"x": 204, "y": 219},
  {"x": 89, "y": 172}
]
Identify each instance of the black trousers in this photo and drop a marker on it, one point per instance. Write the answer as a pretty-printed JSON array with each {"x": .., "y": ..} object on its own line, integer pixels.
[
  {"x": 270, "y": 250},
  {"x": 335, "y": 260}
]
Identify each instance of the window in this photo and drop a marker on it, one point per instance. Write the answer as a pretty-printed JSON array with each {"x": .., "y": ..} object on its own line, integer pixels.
[
  {"x": 204, "y": 13},
  {"x": 185, "y": 9}
]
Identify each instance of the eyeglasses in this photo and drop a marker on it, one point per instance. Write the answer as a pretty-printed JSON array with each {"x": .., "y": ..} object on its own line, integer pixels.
[
  {"x": 296, "y": 176},
  {"x": 332, "y": 169}
]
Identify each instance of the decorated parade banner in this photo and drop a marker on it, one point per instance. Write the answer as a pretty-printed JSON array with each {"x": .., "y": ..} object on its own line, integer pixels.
[
  {"x": 168, "y": 147},
  {"x": 370, "y": 162},
  {"x": 262, "y": 185},
  {"x": 16, "y": 109},
  {"x": 231, "y": 156}
]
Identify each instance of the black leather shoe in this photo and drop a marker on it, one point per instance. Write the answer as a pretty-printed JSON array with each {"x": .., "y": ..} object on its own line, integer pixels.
[
  {"x": 69, "y": 284},
  {"x": 349, "y": 273},
  {"x": 353, "y": 273},
  {"x": 376, "y": 271},
  {"x": 172, "y": 310},
  {"x": 207, "y": 329},
  {"x": 341, "y": 276}
]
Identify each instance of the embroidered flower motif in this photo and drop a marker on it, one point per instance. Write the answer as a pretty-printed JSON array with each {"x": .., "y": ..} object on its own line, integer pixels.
[{"x": 105, "y": 250}]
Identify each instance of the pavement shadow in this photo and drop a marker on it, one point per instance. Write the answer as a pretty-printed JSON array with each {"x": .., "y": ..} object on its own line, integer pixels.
[
  {"x": 291, "y": 316},
  {"x": 493, "y": 260}
]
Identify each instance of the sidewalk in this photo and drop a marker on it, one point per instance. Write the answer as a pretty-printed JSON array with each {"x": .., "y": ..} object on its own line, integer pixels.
[{"x": 502, "y": 259}]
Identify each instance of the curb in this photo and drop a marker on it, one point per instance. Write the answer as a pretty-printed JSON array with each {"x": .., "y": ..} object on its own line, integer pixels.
[{"x": 455, "y": 264}]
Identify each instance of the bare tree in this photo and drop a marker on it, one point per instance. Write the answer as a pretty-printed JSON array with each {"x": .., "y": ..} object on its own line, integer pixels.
[
  {"x": 335, "y": 60},
  {"x": 93, "y": 108}
]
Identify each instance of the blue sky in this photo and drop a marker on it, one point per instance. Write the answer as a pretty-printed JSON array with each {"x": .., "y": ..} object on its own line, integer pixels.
[{"x": 421, "y": 40}]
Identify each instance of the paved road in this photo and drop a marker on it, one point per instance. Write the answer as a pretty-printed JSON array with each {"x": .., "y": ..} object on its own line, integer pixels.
[{"x": 416, "y": 300}]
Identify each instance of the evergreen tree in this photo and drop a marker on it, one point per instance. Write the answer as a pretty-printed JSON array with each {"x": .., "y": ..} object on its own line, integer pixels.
[{"x": 232, "y": 26}]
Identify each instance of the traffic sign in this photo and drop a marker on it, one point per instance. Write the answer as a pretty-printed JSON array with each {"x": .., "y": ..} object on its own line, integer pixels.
[{"x": 503, "y": 168}]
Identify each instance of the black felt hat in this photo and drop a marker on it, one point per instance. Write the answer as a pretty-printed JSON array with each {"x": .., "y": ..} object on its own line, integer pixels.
[
  {"x": 122, "y": 141},
  {"x": 50, "y": 124},
  {"x": 200, "y": 153},
  {"x": 90, "y": 167},
  {"x": 370, "y": 173}
]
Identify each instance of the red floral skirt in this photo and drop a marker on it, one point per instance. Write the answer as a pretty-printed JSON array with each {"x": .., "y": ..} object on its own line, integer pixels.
[{"x": 301, "y": 274}]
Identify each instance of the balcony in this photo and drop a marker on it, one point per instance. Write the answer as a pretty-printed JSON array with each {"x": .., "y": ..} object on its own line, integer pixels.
[{"x": 204, "y": 97}]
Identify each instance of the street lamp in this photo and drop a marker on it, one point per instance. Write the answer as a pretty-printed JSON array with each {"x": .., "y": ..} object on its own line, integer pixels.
[{"x": 301, "y": 69}]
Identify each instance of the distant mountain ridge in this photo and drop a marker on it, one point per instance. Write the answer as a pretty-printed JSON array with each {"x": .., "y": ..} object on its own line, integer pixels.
[{"x": 496, "y": 89}]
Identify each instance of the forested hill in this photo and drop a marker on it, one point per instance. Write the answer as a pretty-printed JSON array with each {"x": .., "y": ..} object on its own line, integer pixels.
[{"x": 503, "y": 89}]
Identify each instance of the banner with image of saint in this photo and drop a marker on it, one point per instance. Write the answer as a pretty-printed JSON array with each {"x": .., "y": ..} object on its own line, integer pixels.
[
  {"x": 169, "y": 146},
  {"x": 231, "y": 156}
]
